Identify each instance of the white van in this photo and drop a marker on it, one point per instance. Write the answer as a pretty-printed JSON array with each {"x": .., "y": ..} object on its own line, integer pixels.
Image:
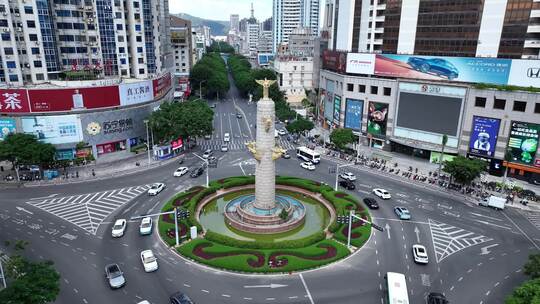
[{"x": 226, "y": 137}]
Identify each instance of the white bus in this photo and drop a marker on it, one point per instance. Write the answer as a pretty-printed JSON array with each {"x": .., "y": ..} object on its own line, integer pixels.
[
  {"x": 307, "y": 154},
  {"x": 397, "y": 288}
]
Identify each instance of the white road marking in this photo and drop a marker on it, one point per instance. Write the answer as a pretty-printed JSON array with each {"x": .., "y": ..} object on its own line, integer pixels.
[
  {"x": 527, "y": 236},
  {"x": 307, "y": 290}
]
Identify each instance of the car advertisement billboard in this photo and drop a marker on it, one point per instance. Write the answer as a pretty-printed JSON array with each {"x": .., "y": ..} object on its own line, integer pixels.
[
  {"x": 354, "y": 109},
  {"x": 360, "y": 63},
  {"x": 51, "y": 100},
  {"x": 523, "y": 142},
  {"x": 55, "y": 129},
  {"x": 525, "y": 73},
  {"x": 337, "y": 108},
  {"x": 162, "y": 85},
  {"x": 7, "y": 126},
  {"x": 484, "y": 135},
  {"x": 334, "y": 61},
  {"x": 137, "y": 92},
  {"x": 13, "y": 101},
  {"x": 377, "y": 118}
]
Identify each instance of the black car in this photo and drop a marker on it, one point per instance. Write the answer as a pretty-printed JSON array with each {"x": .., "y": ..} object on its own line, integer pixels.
[
  {"x": 347, "y": 184},
  {"x": 180, "y": 298},
  {"x": 196, "y": 172},
  {"x": 437, "y": 298},
  {"x": 238, "y": 115},
  {"x": 371, "y": 203}
]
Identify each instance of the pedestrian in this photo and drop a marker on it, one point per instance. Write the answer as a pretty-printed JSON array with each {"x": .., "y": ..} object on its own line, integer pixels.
[{"x": 93, "y": 172}]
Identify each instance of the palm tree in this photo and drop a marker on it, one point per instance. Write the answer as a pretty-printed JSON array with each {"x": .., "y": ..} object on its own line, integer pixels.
[{"x": 444, "y": 141}]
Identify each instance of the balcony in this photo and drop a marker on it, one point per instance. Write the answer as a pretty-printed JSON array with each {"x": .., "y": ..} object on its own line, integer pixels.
[
  {"x": 376, "y": 19},
  {"x": 533, "y": 28},
  {"x": 535, "y": 13},
  {"x": 532, "y": 43}
]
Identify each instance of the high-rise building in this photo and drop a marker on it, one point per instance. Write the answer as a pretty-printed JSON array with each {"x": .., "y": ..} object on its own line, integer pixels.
[
  {"x": 264, "y": 44},
  {"x": 181, "y": 45},
  {"x": 291, "y": 14},
  {"x": 267, "y": 24},
  {"x": 42, "y": 39},
  {"x": 253, "y": 30},
  {"x": 504, "y": 29},
  {"x": 235, "y": 23}
]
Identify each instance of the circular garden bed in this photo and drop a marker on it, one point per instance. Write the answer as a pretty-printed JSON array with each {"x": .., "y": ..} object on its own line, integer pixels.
[{"x": 264, "y": 256}]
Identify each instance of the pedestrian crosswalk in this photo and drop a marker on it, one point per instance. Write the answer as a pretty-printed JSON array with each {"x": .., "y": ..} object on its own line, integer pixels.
[
  {"x": 239, "y": 144},
  {"x": 448, "y": 239},
  {"x": 87, "y": 211},
  {"x": 533, "y": 217}
]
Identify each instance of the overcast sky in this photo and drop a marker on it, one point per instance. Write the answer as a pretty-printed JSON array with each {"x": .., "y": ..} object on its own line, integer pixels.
[{"x": 222, "y": 9}]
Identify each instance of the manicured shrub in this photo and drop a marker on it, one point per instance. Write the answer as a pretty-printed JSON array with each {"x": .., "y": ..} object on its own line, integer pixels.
[{"x": 299, "y": 243}]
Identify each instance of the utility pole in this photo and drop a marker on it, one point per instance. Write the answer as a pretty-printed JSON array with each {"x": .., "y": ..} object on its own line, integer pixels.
[
  {"x": 351, "y": 216},
  {"x": 147, "y": 141}
]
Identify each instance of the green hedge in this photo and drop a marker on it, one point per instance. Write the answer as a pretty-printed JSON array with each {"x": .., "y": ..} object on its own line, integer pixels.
[{"x": 232, "y": 242}]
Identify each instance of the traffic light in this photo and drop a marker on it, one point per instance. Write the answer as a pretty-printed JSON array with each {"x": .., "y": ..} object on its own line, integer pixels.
[
  {"x": 182, "y": 214},
  {"x": 343, "y": 219},
  {"x": 377, "y": 227}
]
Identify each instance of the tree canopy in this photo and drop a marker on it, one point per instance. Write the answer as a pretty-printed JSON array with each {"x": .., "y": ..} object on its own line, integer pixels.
[
  {"x": 342, "y": 137},
  {"x": 300, "y": 125},
  {"x": 220, "y": 47},
  {"x": 186, "y": 119},
  {"x": 532, "y": 268},
  {"x": 464, "y": 170},
  {"x": 527, "y": 293},
  {"x": 211, "y": 73},
  {"x": 26, "y": 149}
]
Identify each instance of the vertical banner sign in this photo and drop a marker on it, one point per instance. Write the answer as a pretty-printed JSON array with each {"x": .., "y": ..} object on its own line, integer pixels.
[
  {"x": 523, "y": 142},
  {"x": 7, "y": 126},
  {"x": 484, "y": 135},
  {"x": 329, "y": 107},
  {"x": 353, "y": 114},
  {"x": 377, "y": 118},
  {"x": 337, "y": 108}
]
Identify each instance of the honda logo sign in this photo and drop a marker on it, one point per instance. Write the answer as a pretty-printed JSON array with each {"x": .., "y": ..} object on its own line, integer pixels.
[{"x": 533, "y": 72}]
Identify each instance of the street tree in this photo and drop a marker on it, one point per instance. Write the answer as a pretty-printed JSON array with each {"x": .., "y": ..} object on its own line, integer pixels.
[
  {"x": 527, "y": 293},
  {"x": 444, "y": 142},
  {"x": 299, "y": 126},
  {"x": 532, "y": 267},
  {"x": 26, "y": 149},
  {"x": 464, "y": 170},
  {"x": 189, "y": 119},
  {"x": 29, "y": 282},
  {"x": 342, "y": 137}
]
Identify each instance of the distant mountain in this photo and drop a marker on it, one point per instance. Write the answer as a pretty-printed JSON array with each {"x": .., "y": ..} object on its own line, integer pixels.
[{"x": 217, "y": 27}]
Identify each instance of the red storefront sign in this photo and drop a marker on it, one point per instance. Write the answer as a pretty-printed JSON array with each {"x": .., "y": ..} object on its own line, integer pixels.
[
  {"x": 176, "y": 144},
  {"x": 50, "y": 100},
  {"x": 14, "y": 101},
  {"x": 334, "y": 61},
  {"x": 161, "y": 85}
]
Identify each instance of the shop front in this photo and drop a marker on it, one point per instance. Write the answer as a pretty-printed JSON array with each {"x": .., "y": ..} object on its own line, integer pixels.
[{"x": 111, "y": 147}]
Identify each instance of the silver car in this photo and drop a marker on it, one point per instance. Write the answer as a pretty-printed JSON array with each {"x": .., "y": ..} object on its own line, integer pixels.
[{"x": 115, "y": 276}]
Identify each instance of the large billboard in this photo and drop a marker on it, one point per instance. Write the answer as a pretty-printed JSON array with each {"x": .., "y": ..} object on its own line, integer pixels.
[
  {"x": 337, "y": 108},
  {"x": 53, "y": 100},
  {"x": 354, "y": 109},
  {"x": 484, "y": 135},
  {"x": 523, "y": 142},
  {"x": 334, "y": 61},
  {"x": 57, "y": 129},
  {"x": 7, "y": 126},
  {"x": 136, "y": 92},
  {"x": 462, "y": 69},
  {"x": 377, "y": 118},
  {"x": 13, "y": 101}
]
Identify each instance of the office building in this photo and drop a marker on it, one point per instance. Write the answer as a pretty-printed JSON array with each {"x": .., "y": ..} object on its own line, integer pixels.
[
  {"x": 181, "y": 45},
  {"x": 267, "y": 24},
  {"x": 264, "y": 44},
  {"x": 291, "y": 14},
  {"x": 253, "y": 31},
  {"x": 235, "y": 23},
  {"x": 41, "y": 40}
]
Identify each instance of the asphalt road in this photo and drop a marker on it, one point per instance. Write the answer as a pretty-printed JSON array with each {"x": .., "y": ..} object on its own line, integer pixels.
[{"x": 476, "y": 254}]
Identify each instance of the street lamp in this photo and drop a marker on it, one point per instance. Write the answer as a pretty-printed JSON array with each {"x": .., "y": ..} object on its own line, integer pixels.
[
  {"x": 200, "y": 88},
  {"x": 207, "y": 167},
  {"x": 337, "y": 173},
  {"x": 147, "y": 141}
]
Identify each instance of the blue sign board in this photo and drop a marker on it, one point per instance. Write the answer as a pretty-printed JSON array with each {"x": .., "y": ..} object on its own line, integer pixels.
[
  {"x": 7, "y": 126},
  {"x": 353, "y": 114},
  {"x": 484, "y": 135}
]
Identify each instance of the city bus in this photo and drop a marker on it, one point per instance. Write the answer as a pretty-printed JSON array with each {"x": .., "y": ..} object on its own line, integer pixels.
[
  {"x": 396, "y": 286},
  {"x": 308, "y": 154}
]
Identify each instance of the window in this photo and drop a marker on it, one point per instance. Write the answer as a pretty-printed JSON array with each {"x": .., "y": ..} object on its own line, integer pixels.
[
  {"x": 141, "y": 71},
  {"x": 537, "y": 108},
  {"x": 11, "y": 64},
  {"x": 122, "y": 60},
  {"x": 294, "y": 67},
  {"x": 33, "y": 37},
  {"x": 361, "y": 88},
  {"x": 121, "y": 50},
  {"x": 480, "y": 102},
  {"x": 120, "y": 38},
  {"x": 138, "y": 27},
  {"x": 13, "y": 78},
  {"x": 31, "y": 23},
  {"x": 141, "y": 60},
  {"x": 519, "y": 106},
  {"x": 6, "y": 37},
  {"x": 40, "y": 76},
  {"x": 3, "y": 22},
  {"x": 118, "y": 15},
  {"x": 35, "y": 51},
  {"x": 139, "y": 49},
  {"x": 78, "y": 26},
  {"x": 8, "y": 51},
  {"x": 374, "y": 90},
  {"x": 38, "y": 64},
  {"x": 137, "y": 16},
  {"x": 350, "y": 87},
  {"x": 28, "y": 10},
  {"x": 135, "y": 4},
  {"x": 119, "y": 27},
  {"x": 499, "y": 104},
  {"x": 138, "y": 38},
  {"x": 387, "y": 91}
]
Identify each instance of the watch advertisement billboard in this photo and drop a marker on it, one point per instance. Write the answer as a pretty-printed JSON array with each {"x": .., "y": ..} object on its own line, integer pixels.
[
  {"x": 377, "y": 118},
  {"x": 13, "y": 101},
  {"x": 162, "y": 85},
  {"x": 523, "y": 142},
  {"x": 7, "y": 126},
  {"x": 137, "y": 92},
  {"x": 354, "y": 109},
  {"x": 484, "y": 135},
  {"x": 56, "y": 129},
  {"x": 52, "y": 100},
  {"x": 337, "y": 108}
]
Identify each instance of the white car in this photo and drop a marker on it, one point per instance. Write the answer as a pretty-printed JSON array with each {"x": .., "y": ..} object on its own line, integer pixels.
[
  {"x": 145, "y": 227},
  {"x": 149, "y": 260},
  {"x": 348, "y": 175},
  {"x": 282, "y": 132},
  {"x": 180, "y": 171},
  {"x": 156, "y": 188},
  {"x": 308, "y": 166},
  {"x": 224, "y": 148},
  {"x": 119, "y": 228},
  {"x": 226, "y": 137},
  {"x": 419, "y": 254},
  {"x": 207, "y": 153},
  {"x": 382, "y": 193}
]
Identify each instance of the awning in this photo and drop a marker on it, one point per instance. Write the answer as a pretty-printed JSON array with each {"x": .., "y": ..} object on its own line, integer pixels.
[{"x": 522, "y": 167}]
